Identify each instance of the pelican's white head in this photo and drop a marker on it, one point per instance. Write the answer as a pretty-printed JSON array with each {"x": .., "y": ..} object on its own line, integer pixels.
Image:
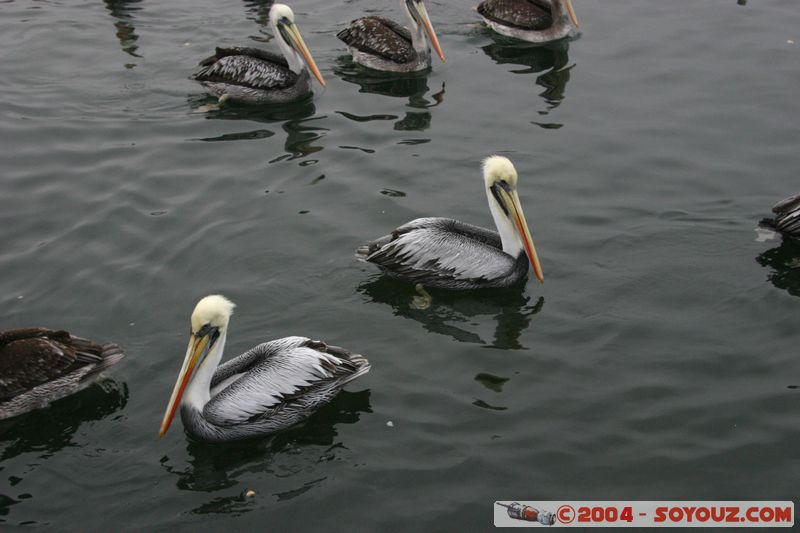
[
  {"x": 210, "y": 320},
  {"x": 281, "y": 18},
  {"x": 500, "y": 178},
  {"x": 498, "y": 168},
  {"x": 214, "y": 311},
  {"x": 279, "y": 11}
]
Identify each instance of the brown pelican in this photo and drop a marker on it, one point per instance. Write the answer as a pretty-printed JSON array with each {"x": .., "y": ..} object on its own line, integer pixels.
[
  {"x": 257, "y": 76},
  {"x": 383, "y": 44},
  {"x": 39, "y": 366},
  {"x": 268, "y": 388},
  {"x": 536, "y": 21},
  {"x": 787, "y": 219},
  {"x": 445, "y": 253}
]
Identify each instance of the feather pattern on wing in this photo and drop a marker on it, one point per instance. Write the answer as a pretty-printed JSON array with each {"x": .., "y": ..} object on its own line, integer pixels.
[
  {"x": 276, "y": 373},
  {"x": 441, "y": 252},
  {"x": 380, "y": 36},
  {"x": 523, "y": 14},
  {"x": 249, "y": 67},
  {"x": 787, "y": 219}
]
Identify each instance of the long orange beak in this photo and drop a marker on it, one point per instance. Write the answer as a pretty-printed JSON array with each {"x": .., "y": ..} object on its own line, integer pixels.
[
  {"x": 571, "y": 11},
  {"x": 518, "y": 218},
  {"x": 426, "y": 22},
  {"x": 300, "y": 46},
  {"x": 197, "y": 347}
]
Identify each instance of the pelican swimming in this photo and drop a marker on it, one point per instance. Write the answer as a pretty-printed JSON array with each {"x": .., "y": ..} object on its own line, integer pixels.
[
  {"x": 787, "y": 219},
  {"x": 382, "y": 44},
  {"x": 268, "y": 388},
  {"x": 257, "y": 76},
  {"x": 535, "y": 21},
  {"x": 445, "y": 253},
  {"x": 39, "y": 366}
]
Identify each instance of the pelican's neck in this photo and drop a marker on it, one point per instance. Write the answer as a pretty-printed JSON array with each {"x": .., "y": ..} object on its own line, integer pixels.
[
  {"x": 199, "y": 390},
  {"x": 512, "y": 245},
  {"x": 293, "y": 57},
  {"x": 418, "y": 39},
  {"x": 559, "y": 13}
]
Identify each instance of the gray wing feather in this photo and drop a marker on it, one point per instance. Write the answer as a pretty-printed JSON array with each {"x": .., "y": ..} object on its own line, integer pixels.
[
  {"x": 380, "y": 37},
  {"x": 787, "y": 219},
  {"x": 442, "y": 248},
  {"x": 279, "y": 373},
  {"x": 249, "y": 67},
  {"x": 255, "y": 355}
]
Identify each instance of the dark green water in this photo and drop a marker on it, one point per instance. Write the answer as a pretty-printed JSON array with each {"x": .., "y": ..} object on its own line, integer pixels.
[{"x": 657, "y": 361}]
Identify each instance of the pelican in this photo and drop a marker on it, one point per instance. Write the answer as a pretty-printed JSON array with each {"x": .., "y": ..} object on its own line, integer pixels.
[
  {"x": 39, "y": 366},
  {"x": 787, "y": 220},
  {"x": 445, "y": 253},
  {"x": 382, "y": 44},
  {"x": 255, "y": 76},
  {"x": 535, "y": 21},
  {"x": 268, "y": 388}
]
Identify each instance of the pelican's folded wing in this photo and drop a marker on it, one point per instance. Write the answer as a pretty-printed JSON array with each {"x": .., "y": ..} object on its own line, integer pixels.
[
  {"x": 787, "y": 219},
  {"x": 524, "y": 14},
  {"x": 249, "y": 67},
  {"x": 380, "y": 37},
  {"x": 443, "y": 248},
  {"x": 33, "y": 356},
  {"x": 278, "y": 378}
]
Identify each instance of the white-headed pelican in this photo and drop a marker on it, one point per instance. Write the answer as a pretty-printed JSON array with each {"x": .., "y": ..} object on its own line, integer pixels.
[
  {"x": 382, "y": 44},
  {"x": 257, "y": 76},
  {"x": 535, "y": 21},
  {"x": 445, "y": 253},
  {"x": 268, "y": 388},
  {"x": 787, "y": 219},
  {"x": 39, "y": 366}
]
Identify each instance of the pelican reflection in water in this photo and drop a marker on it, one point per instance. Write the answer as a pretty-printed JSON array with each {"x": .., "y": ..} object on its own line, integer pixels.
[
  {"x": 494, "y": 318},
  {"x": 266, "y": 389},
  {"x": 122, "y": 11},
  {"x": 315, "y": 440},
  {"x": 413, "y": 86},
  {"x": 549, "y": 63},
  {"x": 448, "y": 254},
  {"x": 784, "y": 260},
  {"x": 50, "y": 430}
]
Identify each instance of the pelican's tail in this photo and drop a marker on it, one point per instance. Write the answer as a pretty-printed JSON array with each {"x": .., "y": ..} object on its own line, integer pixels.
[
  {"x": 353, "y": 365},
  {"x": 366, "y": 250},
  {"x": 787, "y": 219},
  {"x": 112, "y": 354}
]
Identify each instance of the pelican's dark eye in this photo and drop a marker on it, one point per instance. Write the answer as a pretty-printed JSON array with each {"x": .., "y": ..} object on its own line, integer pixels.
[
  {"x": 285, "y": 21},
  {"x": 205, "y": 330}
]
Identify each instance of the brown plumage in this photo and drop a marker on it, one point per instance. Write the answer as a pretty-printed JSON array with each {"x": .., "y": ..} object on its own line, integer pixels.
[
  {"x": 38, "y": 366},
  {"x": 523, "y": 14},
  {"x": 381, "y": 37}
]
